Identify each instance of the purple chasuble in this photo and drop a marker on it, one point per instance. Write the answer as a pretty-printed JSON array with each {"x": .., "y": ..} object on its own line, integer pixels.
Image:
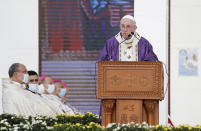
[{"x": 111, "y": 51}]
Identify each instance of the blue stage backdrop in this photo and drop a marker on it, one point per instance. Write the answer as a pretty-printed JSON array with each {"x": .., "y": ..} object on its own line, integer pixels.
[{"x": 71, "y": 36}]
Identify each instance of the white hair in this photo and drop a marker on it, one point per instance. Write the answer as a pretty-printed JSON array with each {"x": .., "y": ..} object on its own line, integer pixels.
[{"x": 128, "y": 17}]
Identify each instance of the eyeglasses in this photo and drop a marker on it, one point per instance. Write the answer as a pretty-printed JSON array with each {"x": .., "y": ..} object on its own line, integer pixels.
[
  {"x": 32, "y": 80},
  {"x": 125, "y": 27}
]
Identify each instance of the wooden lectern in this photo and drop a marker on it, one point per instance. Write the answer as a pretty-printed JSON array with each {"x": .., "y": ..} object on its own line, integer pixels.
[{"x": 130, "y": 91}]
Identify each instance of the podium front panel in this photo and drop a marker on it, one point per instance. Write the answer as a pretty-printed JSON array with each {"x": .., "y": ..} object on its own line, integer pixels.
[
  {"x": 129, "y": 80},
  {"x": 129, "y": 111}
]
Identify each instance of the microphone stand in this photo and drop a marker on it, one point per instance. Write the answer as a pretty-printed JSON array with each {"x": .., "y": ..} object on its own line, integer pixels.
[
  {"x": 132, "y": 33},
  {"x": 126, "y": 38}
]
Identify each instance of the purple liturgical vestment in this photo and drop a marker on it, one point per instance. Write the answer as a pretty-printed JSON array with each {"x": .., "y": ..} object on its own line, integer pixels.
[{"x": 111, "y": 51}]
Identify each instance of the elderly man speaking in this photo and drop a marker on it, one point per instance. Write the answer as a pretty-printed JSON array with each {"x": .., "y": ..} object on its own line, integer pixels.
[{"x": 127, "y": 45}]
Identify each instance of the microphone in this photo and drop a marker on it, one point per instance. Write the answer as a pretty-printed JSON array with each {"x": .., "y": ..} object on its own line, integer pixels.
[
  {"x": 134, "y": 35},
  {"x": 127, "y": 38}
]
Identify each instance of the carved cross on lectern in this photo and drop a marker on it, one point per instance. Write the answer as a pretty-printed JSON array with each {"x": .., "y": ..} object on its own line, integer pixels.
[{"x": 114, "y": 79}]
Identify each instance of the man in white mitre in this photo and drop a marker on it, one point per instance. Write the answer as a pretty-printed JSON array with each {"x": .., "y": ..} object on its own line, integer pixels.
[{"x": 19, "y": 100}]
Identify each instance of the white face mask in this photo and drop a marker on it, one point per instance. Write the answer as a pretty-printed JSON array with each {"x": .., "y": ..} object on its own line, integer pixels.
[
  {"x": 51, "y": 88},
  {"x": 26, "y": 78},
  {"x": 33, "y": 87},
  {"x": 41, "y": 89}
]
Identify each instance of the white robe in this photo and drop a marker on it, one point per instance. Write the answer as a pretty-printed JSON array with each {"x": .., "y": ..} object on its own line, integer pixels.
[
  {"x": 20, "y": 101},
  {"x": 58, "y": 103}
]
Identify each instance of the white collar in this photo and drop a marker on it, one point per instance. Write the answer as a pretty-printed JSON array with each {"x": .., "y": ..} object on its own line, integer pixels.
[
  {"x": 128, "y": 50},
  {"x": 135, "y": 36},
  {"x": 18, "y": 84}
]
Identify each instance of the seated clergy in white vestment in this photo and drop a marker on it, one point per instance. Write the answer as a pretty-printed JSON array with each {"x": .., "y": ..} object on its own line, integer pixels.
[
  {"x": 61, "y": 93},
  {"x": 48, "y": 91},
  {"x": 17, "y": 99},
  {"x": 61, "y": 90}
]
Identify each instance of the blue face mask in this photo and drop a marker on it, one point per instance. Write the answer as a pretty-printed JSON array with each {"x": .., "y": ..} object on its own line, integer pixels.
[
  {"x": 51, "y": 88},
  {"x": 62, "y": 92}
]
